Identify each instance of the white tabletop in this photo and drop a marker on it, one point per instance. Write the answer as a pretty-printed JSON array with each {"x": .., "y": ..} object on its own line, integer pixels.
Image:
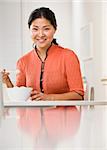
[{"x": 53, "y": 103}]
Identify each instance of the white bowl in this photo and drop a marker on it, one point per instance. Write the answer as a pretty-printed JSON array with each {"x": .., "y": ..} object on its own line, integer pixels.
[{"x": 19, "y": 93}]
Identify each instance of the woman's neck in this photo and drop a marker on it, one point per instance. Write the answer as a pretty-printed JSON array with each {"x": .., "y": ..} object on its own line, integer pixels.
[{"x": 42, "y": 52}]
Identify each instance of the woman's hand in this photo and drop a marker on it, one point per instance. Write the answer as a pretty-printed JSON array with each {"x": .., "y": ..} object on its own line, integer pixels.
[
  {"x": 35, "y": 95},
  {"x": 6, "y": 78}
]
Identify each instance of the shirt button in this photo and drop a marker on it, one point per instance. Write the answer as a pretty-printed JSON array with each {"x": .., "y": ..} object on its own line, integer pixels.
[{"x": 42, "y": 90}]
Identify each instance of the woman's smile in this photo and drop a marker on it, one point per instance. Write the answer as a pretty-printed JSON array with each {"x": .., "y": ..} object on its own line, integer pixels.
[{"x": 41, "y": 40}]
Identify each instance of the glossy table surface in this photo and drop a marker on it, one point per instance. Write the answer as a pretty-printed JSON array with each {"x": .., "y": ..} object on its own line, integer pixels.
[
  {"x": 53, "y": 103},
  {"x": 54, "y": 128}
]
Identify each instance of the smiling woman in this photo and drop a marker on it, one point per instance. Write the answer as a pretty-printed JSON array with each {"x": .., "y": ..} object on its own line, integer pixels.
[{"x": 51, "y": 70}]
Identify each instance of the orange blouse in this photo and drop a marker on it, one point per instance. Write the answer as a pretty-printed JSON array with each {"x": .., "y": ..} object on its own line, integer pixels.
[{"x": 61, "y": 71}]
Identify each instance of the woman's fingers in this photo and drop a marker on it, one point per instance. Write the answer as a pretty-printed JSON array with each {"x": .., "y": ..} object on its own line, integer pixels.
[
  {"x": 5, "y": 75},
  {"x": 6, "y": 79},
  {"x": 35, "y": 95}
]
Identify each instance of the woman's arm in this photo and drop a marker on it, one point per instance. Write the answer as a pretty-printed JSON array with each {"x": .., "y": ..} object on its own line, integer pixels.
[
  {"x": 65, "y": 96},
  {"x": 52, "y": 97}
]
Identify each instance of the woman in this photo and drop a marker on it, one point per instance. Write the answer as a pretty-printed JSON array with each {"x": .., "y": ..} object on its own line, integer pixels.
[{"x": 52, "y": 71}]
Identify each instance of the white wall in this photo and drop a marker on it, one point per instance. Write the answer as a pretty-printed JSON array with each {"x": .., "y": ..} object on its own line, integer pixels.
[
  {"x": 10, "y": 34},
  {"x": 104, "y": 46},
  {"x": 84, "y": 13},
  {"x": 104, "y": 40}
]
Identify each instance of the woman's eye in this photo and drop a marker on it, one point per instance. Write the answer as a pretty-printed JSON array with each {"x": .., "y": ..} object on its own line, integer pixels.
[
  {"x": 46, "y": 29},
  {"x": 34, "y": 29}
]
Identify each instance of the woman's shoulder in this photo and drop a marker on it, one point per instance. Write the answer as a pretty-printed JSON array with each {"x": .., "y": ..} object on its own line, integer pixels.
[
  {"x": 26, "y": 56},
  {"x": 68, "y": 54},
  {"x": 67, "y": 51}
]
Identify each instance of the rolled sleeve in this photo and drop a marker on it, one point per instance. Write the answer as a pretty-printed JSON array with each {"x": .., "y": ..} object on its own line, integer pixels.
[{"x": 73, "y": 72}]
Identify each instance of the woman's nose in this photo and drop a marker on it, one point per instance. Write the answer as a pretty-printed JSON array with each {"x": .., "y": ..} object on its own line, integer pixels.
[{"x": 41, "y": 33}]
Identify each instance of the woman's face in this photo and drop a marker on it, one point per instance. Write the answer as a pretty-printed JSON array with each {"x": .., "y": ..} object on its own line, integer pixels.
[{"x": 42, "y": 33}]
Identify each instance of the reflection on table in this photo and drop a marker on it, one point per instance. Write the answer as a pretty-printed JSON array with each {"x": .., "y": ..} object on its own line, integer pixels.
[
  {"x": 53, "y": 128},
  {"x": 49, "y": 126}
]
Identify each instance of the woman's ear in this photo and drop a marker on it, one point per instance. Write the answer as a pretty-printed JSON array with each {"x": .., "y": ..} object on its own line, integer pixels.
[{"x": 34, "y": 45}]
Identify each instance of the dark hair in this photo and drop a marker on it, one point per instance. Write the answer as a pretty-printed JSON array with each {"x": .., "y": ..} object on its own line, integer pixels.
[
  {"x": 43, "y": 12},
  {"x": 46, "y": 13}
]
